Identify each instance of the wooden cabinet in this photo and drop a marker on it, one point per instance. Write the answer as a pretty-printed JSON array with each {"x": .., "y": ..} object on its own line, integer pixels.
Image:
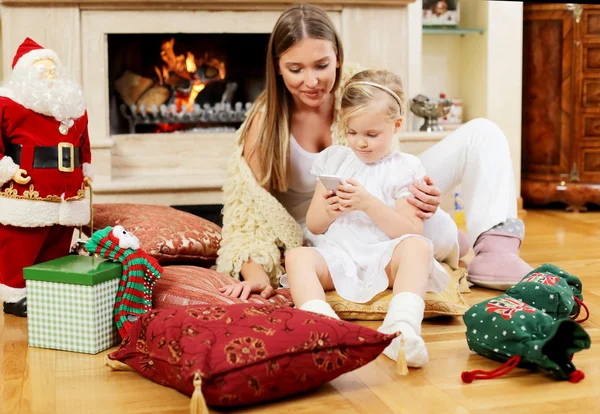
[{"x": 561, "y": 105}]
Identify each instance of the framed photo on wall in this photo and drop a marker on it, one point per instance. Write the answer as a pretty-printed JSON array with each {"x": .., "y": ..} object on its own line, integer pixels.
[{"x": 441, "y": 12}]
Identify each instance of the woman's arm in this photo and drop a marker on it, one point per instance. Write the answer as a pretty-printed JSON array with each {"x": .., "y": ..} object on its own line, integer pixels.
[
  {"x": 427, "y": 198},
  {"x": 255, "y": 278},
  {"x": 324, "y": 209}
]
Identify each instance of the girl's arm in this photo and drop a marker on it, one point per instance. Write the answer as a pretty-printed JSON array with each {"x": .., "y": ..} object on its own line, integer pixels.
[
  {"x": 324, "y": 209},
  {"x": 394, "y": 222}
]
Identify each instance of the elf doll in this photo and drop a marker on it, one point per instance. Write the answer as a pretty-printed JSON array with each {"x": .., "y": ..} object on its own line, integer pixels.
[{"x": 44, "y": 167}]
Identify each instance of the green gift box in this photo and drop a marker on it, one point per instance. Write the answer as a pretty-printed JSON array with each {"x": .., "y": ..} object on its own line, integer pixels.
[{"x": 70, "y": 303}]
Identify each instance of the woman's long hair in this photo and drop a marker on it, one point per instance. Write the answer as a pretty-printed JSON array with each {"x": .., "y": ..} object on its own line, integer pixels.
[{"x": 296, "y": 23}]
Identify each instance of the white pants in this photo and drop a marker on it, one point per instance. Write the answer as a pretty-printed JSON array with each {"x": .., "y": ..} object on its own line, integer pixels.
[{"x": 477, "y": 157}]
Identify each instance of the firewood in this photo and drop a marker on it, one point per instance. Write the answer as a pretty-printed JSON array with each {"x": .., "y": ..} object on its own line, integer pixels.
[
  {"x": 177, "y": 81},
  {"x": 157, "y": 95},
  {"x": 131, "y": 86}
]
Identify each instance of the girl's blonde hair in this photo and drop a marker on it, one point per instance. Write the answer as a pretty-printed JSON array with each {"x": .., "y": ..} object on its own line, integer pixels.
[
  {"x": 371, "y": 84},
  {"x": 299, "y": 22}
]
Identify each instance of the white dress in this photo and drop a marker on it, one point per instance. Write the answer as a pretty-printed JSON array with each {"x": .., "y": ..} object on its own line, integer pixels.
[{"x": 356, "y": 250}]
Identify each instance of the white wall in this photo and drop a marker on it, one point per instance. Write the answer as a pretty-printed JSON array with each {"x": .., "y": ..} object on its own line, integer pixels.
[
  {"x": 441, "y": 66},
  {"x": 1, "y": 66},
  {"x": 505, "y": 68},
  {"x": 485, "y": 70}
]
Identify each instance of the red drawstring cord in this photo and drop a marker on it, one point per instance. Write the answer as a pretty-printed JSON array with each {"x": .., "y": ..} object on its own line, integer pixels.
[
  {"x": 576, "y": 376},
  {"x": 587, "y": 311},
  {"x": 469, "y": 376},
  {"x": 578, "y": 310}
]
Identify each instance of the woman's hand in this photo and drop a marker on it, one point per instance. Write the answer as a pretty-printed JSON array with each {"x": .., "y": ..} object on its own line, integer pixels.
[
  {"x": 427, "y": 198},
  {"x": 244, "y": 288},
  {"x": 334, "y": 209},
  {"x": 354, "y": 196}
]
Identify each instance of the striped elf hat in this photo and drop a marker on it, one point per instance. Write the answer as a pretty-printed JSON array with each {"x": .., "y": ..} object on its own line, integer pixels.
[{"x": 140, "y": 272}]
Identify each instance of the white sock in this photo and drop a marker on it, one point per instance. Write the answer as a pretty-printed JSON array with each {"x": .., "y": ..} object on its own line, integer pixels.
[
  {"x": 319, "y": 306},
  {"x": 405, "y": 315}
]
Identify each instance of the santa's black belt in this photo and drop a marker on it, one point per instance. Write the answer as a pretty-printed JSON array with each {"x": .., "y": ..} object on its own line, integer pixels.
[{"x": 47, "y": 157}]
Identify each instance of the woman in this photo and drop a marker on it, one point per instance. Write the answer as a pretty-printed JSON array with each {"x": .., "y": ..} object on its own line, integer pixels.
[{"x": 298, "y": 115}]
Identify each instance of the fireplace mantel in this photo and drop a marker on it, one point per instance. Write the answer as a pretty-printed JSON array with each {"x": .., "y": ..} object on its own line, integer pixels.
[{"x": 203, "y": 4}]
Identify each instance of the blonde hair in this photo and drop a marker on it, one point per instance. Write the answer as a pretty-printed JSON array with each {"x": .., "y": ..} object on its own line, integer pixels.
[
  {"x": 296, "y": 23},
  {"x": 368, "y": 85}
]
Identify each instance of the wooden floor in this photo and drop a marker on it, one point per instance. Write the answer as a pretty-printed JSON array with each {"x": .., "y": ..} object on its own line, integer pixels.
[{"x": 44, "y": 381}]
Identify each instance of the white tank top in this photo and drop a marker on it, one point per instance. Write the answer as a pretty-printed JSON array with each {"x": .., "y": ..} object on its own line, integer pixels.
[{"x": 301, "y": 183}]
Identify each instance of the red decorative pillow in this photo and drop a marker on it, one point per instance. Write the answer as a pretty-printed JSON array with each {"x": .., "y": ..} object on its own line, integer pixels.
[
  {"x": 190, "y": 285},
  {"x": 245, "y": 353},
  {"x": 167, "y": 234}
]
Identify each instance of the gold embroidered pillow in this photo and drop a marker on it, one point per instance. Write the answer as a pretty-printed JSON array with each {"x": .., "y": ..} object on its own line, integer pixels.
[
  {"x": 447, "y": 303},
  {"x": 169, "y": 235}
]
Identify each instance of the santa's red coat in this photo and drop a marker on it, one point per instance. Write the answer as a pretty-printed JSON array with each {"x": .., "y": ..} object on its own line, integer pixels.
[{"x": 51, "y": 196}]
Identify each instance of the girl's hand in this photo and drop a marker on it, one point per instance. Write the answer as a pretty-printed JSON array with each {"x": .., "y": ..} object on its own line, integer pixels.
[
  {"x": 427, "y": 198},
  {"x": 244, "y": 288},
  {"x": 354, "y": 196},
  {"x": 333, "y": 204}
]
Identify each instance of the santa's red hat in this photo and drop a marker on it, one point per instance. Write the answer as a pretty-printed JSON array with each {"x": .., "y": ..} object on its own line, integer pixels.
[{"x": 29, "y": 52}]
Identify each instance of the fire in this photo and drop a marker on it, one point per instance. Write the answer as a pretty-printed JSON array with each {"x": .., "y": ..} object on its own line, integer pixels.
[
  {"x": 190, "y": 63},
  {"x": 187, "y": 74}
]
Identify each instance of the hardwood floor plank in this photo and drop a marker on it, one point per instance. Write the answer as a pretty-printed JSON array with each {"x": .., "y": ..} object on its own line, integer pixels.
[
  {"x": 12, "y": 364},
  {"x": 362, "y": 397},
  {"x": 40, "y": 374},
  {"x": 45, "y": 381}
]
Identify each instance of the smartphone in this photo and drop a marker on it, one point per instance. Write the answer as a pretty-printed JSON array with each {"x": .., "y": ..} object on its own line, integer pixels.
[{"x": 332, "y": 182}]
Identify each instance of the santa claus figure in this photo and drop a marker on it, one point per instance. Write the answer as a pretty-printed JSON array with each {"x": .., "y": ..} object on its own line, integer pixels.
[{"x": 44, "y": 167}]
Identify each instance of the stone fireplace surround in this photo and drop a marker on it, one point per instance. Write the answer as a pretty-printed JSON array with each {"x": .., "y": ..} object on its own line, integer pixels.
[{"x": 180, "y": 169}]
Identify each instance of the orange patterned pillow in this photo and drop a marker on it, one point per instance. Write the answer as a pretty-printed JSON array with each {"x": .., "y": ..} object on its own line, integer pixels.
[
  {"x": 167, "y": 234},
  {"x": 190, "y": 285}
]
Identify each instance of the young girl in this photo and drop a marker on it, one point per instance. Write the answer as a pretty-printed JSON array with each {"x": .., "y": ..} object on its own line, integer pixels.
[{"x": 367, "y": 234}]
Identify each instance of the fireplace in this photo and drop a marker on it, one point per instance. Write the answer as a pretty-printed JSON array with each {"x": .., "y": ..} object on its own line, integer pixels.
[
  {"x": 111, "y": 45},
  {"x": 183, "y": 82}
]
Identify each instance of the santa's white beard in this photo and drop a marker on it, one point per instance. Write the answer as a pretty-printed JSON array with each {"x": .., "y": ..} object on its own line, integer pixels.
[{"x": 59, "y": 98}]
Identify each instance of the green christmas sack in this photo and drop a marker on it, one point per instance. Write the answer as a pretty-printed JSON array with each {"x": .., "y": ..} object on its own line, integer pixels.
[
  {"x": 573, "y": 281},
  {"x": 508, "y": 330},
  {"x": 551, "y": 290}
]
